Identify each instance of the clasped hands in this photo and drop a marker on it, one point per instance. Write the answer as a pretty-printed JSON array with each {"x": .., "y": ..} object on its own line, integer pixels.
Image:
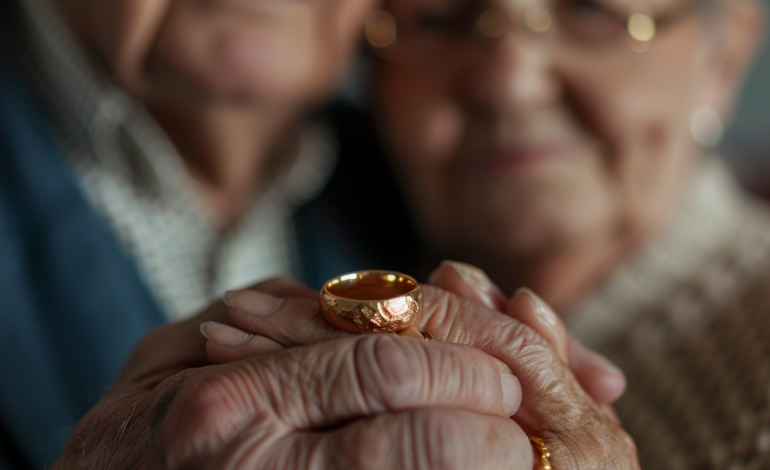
[{"x": 282, "y": 389}]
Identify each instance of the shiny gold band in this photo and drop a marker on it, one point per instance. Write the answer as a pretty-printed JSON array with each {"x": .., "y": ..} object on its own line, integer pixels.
[
  {"x": 541, "y": 453},
  {"x": 371, "y": 301}
]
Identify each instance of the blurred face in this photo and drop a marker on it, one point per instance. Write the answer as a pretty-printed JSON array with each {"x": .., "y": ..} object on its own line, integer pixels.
[
  {"x": 267, "y": 51},
  {"x": 522, "y": 127}
]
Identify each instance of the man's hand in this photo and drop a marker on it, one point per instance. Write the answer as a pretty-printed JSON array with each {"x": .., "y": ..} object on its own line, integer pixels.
[
  {"x": 579, "y": 431},
  {"x": 366, "y": 402}
]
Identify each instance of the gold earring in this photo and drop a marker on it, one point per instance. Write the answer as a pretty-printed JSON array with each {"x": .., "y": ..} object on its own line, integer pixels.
[
  {"x": 706, "y": 126},
  {"x": 380, "y": 29}
]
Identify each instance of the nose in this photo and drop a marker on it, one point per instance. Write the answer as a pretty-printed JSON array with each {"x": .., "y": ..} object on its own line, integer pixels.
[{"x": 511, "y": 71}]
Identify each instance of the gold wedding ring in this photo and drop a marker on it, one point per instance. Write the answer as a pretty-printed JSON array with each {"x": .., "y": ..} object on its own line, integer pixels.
[
  {"x": 542, "y": 453},
  {"x": 372, "y": 301}
]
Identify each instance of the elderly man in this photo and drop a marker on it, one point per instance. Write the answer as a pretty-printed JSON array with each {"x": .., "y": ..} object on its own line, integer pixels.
[{"x": 152, "y": 154}]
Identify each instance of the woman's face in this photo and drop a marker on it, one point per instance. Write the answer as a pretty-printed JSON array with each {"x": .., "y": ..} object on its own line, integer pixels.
[
  {"x": 268, "y": 51},
  {"x": 525, "y": 142}
]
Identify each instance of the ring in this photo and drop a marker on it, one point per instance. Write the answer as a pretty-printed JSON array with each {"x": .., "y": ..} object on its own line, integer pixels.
[
  {"x": 539, "y": 445},
  {"x": 371, "y": 301}
]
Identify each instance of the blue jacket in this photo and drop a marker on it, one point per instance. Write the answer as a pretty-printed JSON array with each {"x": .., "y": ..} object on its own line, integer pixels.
[{"x": 72, "y": 304}]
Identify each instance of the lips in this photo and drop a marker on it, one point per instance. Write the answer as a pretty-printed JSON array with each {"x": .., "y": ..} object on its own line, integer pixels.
[
  {"x": 521, "y": 156},
  {"x": 260, "y": 6}
]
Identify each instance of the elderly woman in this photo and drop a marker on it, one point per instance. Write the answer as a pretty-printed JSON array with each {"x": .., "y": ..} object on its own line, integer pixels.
[{"x": 563, "y": 146}]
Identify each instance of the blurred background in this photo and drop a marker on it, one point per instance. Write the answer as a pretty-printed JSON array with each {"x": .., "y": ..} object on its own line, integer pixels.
[{"x": 747, "y": 144}]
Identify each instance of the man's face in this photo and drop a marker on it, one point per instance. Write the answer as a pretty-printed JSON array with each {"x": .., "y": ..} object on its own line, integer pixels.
[
  {"x": 525, "y": 141},
  {"x": 271, "y": 51}
]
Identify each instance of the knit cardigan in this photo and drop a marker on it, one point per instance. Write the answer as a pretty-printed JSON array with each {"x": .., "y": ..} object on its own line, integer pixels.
[{"x": 688, "y": 321}]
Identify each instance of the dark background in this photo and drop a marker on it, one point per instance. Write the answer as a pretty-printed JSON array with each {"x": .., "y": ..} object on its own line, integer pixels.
[{"x": 747, "y": 144}]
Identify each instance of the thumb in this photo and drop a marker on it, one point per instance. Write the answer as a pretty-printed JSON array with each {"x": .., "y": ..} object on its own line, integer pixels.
[
  {"x": 531, "y": 310},
  {"x": 468, "y": 282}
]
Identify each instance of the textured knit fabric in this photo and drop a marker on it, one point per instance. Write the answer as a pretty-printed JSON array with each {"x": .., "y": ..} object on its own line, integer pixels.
[
  {"x": 688, "y": 321},
  {"x": 137, "y": 181}
]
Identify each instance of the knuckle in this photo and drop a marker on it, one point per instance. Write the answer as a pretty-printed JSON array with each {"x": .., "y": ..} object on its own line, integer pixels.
[
  {"x": 394, "y": 373},
  {"x": 524, "y": 341},
  {"x": 389, "y": 370},
  {"x": 208, "y": 402},
  {"x": 439, "y": 304},
  {"x": 458, "y": 318},
  {"x": 595, "y": 445},
  {"x": 204, "y": 413},
  {"x": 533, "y": 358},
  {"x": 443, "y": 307}
]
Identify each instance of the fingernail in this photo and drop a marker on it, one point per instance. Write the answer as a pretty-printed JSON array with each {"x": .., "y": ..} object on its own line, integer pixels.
[
  {"x": 541, "y": 309},
  {"x": 478, "y": 280},
  {"x": 251, "y": 301},
  {"x": 223, "y": 334},
  {"x": 227, "y": 298},
  {"x": 511, "y": 394},
  {"x": 411, "y": 332}
]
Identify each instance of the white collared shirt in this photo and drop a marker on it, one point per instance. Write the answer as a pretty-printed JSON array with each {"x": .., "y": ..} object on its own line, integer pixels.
[{"x": 136, "y": 180}]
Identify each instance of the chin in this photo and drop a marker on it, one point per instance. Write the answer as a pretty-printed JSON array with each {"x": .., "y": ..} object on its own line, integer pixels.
[
  {"x": 253, "y": 66},
  {"x": 560, "y": 209},
  {"x": 262, "y": 90},
  {"x": 537, "y": 226}
]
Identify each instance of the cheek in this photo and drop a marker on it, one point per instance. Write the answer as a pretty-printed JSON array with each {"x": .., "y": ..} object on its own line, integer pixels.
[
  {"x": 424, "y": 128},
  {"x": 641, "y": 114},
  {"x": 342, "y": 22},
  {"x": 633, "y": 112},
  {"x": 218, "y": 54},
  {"x": 422, "y": 121}
]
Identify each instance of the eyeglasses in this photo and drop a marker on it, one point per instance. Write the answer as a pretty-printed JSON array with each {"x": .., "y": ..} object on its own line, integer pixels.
[{"x": 439, "y": 32}]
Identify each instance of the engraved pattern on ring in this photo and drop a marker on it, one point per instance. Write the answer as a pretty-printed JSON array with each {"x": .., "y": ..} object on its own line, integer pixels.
[{"x": 381, "y": 316}]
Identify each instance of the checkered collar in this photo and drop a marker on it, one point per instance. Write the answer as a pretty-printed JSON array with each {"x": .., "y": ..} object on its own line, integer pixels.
[{"x": 101, "y": 124}]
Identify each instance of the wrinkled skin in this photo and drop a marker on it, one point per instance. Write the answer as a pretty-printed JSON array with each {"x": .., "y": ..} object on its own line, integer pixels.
[
  {"x": 346, "y": 403},
  {"x": 579, "y": 431},
  {"x": 548, "y": 165},
  {"x": 342, "y": 404},
  {"x": 320, "y": 403}
]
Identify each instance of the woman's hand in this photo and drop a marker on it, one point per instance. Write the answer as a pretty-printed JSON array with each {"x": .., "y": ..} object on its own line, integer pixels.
[
  {"x": 579, "y": 432},
  {"x": 603, "y": 381}
]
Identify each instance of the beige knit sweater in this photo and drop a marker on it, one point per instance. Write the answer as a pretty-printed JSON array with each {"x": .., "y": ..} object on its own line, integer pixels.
[{"x": 688, "y": 321}]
